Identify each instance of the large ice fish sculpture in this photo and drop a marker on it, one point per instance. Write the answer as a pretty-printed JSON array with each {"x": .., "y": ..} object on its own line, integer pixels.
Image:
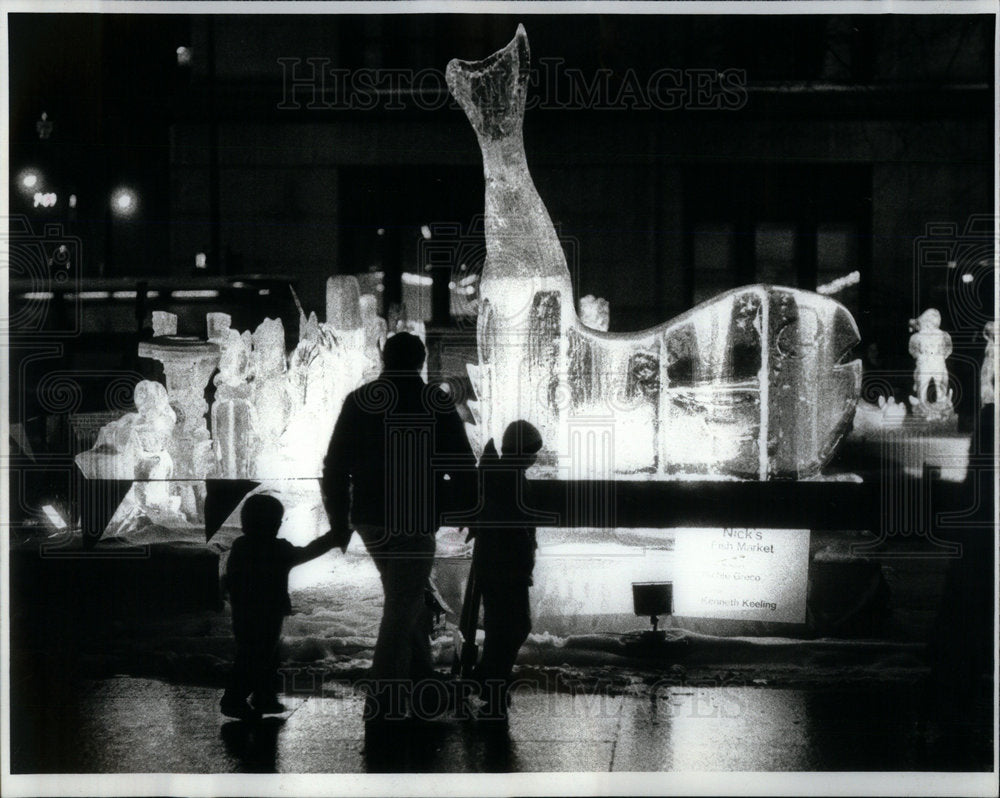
[{"x": 751, "y": 384}]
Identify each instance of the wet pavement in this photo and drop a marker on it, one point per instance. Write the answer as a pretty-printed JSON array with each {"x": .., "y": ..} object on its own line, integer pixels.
[{"x": 135, "y": 725}]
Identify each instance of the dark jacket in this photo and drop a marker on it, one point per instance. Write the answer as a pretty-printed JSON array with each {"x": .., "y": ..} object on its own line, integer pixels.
[
  {"x": 394, "y": 443},
  {"x": 504, "y": 552},
  {"x": 257, "y": 575}
]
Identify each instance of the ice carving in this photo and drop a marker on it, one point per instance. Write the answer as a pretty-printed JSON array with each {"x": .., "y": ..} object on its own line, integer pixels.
[
  {"x": 750, "y": 384},
  {"x": 232, "y": 412},
  {"x": 187, "y": 365},
  {"x": 164, "y": 323},
  {"x": 595, "y": 312},
  {"x": 124, "y": 446},
  {"x": 873, "y": 419},
  {"x": 988, "y": 371},
  {"x": 930, "y": 346},
  {"x": 269, "y": 396},
  {"x": 136, "y": 447},
  {"x": 329, "y": 362}
]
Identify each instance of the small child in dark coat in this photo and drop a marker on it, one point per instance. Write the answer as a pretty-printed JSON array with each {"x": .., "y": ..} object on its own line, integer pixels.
[
  {"x": 503, "y": 559},
  {"x": 257, "y": 580}
]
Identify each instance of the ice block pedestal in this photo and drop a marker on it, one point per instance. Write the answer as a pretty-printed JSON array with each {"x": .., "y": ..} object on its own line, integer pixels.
[{"x": 187, "y": 365}]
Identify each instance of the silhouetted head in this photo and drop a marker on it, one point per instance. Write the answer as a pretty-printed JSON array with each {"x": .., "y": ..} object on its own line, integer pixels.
[
  {"x": 403, "y": 352},
  {"x": 261, "y": 516},
  {"x": 521, "y": 443}
]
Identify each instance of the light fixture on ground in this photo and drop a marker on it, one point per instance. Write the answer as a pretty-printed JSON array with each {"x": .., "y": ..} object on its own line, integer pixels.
[{"x": 653, "y": 599}]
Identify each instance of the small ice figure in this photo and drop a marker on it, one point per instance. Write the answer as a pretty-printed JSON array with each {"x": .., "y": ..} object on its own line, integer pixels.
[
  {"x": 930, "y": 346},
  {"x": 164, "y": 323},
  {"x": 988, "y": 372},
  {"x": 595, "y": 312},
  {"x": 233, "y": 422},
  {"x": 125, "y": 445}
]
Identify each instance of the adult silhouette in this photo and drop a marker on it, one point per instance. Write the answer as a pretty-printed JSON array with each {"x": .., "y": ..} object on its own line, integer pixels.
[{"x": 398, "y": 446}]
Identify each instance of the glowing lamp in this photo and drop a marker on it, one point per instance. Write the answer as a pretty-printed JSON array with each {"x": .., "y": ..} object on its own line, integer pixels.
[{"x": 124, "y": 201}]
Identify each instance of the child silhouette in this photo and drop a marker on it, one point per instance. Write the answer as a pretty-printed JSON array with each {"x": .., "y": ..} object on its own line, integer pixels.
[
  {"x": 503, "y": 559},
  {"x": 257, "y": 580}
]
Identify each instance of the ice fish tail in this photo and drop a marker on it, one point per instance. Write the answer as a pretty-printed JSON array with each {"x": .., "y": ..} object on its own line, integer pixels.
[{"x": 520, "y": 238}]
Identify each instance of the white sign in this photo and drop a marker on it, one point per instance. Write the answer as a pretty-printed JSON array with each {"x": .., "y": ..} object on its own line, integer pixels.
[{"x": 743, "y": 574}]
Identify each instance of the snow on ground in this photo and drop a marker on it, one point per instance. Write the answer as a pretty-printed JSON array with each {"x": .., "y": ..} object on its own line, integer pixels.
[{"x": 584, "y": 627}]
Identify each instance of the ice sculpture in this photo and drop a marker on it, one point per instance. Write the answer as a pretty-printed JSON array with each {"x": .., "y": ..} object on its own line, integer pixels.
[
  {"x": 988, "y": 372},
  {"x": 930, "y": 346},
  {"x": 269, "y": 396},
  {"x": 595, "y": 312},
  {"x": 187, "y": 365},
  {"x": 232, "y": 412},
  {"x": 329, "y": 362},
  {"x": 125, "y": 447},
  {"x": 750, "y": 384},
  {"x": 137, "y": 447}
]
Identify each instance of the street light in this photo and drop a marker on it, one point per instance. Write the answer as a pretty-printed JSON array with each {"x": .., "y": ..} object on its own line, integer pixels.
[
  {"x": 124, "y": 201},
  {"x": 29, "y": 180}
]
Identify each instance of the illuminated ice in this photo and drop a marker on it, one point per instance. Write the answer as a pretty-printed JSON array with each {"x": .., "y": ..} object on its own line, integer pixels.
[
  {"x": 930, "y": 346},
  {"x": 595, "y": 312},
  {"x": 127, "y": 446},
  {"x": 270, "y": 396},
  {"x": 329, "y": 362},
  {"x": 872, "y": 419},
  {"x": 164, "y": 323},
  {"x": 988, "y": 371},
  {"x": 750, "y": 384},
  {"x": 232, "y": 412}
]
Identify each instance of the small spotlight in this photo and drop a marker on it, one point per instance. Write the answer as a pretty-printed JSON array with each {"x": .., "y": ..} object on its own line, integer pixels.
[
  {"x": 380, "y": 231},
  {"x": 200, "y": 260},
  {"x": 30, "y": 180},
  {"x": 124, "y": 201},
  {"x": 183, "y": 56},
  {"x": 967, "y": 278},
  {"x": 72, "y": 200},
  {"x": 425, "y": 231}
]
